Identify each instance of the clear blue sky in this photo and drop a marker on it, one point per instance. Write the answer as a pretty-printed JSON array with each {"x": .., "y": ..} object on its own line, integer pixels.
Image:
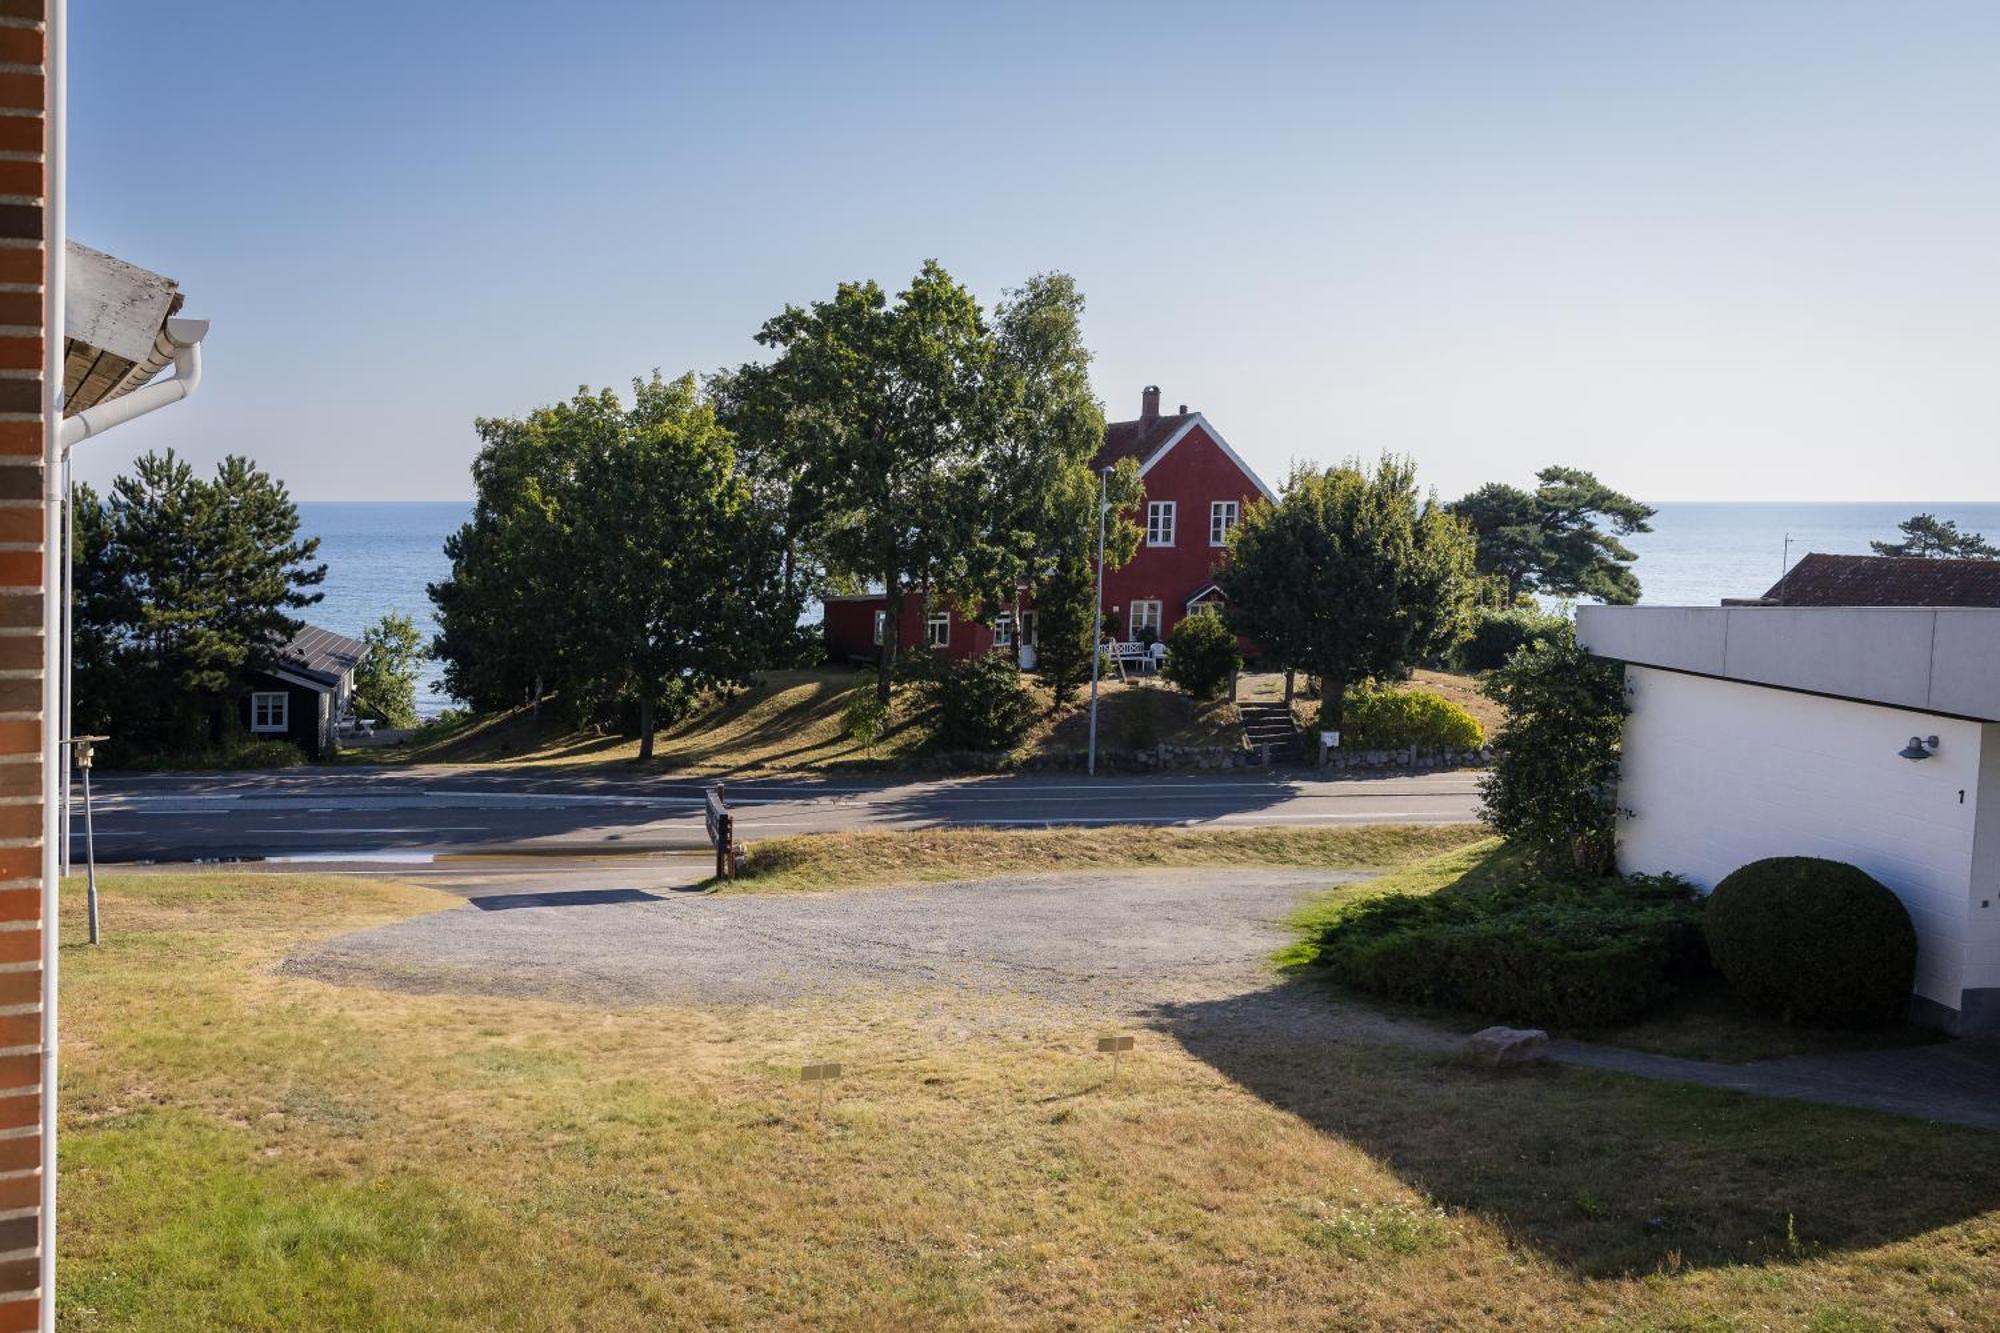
[{"x": 1712, "y": 251}]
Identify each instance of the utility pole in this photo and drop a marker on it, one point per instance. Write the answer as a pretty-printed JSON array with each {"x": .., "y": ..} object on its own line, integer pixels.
[{"x": 1097, "y": 620}]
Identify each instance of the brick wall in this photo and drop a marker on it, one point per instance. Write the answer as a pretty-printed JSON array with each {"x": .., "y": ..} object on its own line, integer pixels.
[{"x": 23, "y": 347}]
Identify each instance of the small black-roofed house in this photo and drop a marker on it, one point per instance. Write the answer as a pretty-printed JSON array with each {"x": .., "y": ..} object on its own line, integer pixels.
[
  {"x": 304, "y": 694},
  {"x": 1820, "y": 579}
]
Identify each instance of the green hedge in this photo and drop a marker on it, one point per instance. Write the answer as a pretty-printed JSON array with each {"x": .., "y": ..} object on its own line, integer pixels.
[
  {"x": 1398, "y": 719},
  {"x": 1813, "y": 941},
  {"x": 1562, "y": 954},
  {"x": 1497, "y": 635},
  {"x": 979, "y": 704}
]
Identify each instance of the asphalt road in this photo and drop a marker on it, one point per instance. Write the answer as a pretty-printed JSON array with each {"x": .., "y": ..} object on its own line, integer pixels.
[{"x": 414, "y": 814}]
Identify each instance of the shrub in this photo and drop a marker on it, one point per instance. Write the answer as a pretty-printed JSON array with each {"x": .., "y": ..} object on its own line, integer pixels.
[
  {"x": 1553, "y": 785},
  {"x": 1497, "y": 635},
  {"x": 1201, "y": 655},
  {"x": 1813, "y": 941},
  {"x": 267, "y": 753},
  {"x": 1399, "y": 719},
  {"x": 1563, "y": 953},
  {"x": 866, "y": 717},
  {"x": 980, "y": 703}
]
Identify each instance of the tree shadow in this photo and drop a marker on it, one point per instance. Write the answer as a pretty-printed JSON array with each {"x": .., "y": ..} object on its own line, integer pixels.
[
  {"x": 509, "y": 902},
  {"x": 1603, "y": 1174}
]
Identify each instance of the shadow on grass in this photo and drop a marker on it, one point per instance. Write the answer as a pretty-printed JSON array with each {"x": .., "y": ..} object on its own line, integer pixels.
[{"x": 1605, "y": 1175}]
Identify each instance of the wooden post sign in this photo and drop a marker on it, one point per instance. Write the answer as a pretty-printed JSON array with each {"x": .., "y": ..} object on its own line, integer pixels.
[
  {"x": 1114, "y": 1047},
  {"x": 721, "y": 833},
  {"x": 823, "y": 1073}
]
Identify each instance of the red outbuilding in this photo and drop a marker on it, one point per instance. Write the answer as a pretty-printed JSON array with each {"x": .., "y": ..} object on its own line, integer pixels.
[{"x": 1196, "y": 490}]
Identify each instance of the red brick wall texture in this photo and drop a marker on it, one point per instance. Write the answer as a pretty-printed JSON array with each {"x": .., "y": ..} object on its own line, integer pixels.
[{"x": 23, "y": 652}]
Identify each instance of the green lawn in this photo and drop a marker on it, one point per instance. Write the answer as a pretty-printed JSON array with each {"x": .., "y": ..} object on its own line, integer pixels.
[{"x": 246, "y": 1149}]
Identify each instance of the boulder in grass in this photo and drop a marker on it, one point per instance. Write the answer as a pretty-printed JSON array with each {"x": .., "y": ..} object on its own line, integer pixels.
[{"x": 1508, "y": 1046}]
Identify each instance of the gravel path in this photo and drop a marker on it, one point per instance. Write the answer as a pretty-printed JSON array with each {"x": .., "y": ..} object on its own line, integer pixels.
[{"x": 1125, "y": 941}]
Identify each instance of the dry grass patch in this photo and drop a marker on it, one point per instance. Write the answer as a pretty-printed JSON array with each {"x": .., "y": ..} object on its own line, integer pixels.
[
  {"x": 794, "y": 721},
  {"x": 837, "y": 860},
  {"x": 247, "y": 1149}
]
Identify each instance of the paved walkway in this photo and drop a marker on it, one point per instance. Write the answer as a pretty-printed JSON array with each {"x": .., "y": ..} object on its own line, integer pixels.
[{"x": 1955, "y": 1082}]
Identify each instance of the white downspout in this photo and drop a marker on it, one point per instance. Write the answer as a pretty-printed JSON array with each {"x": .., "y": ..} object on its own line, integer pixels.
[
  {"x": 184, "y": 336},
  {"x": 55, "y": 222}
]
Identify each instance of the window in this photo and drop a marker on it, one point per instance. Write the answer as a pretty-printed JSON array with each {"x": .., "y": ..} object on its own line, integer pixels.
[
  {"x": 937, "y": 629},
  {"x": 1160, "y": 523},
  {"x": 1028, "y": 628},
  {"x": 881, "y": 626},
  {"x": 1003, "y": 630},
  {"x": 270, "y": 711},
  {"x": 1145, "y": 616},
  {"x": 1222, "y": 517}
]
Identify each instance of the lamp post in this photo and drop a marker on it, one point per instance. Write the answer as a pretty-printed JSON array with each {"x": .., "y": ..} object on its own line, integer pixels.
[
  {"x": 1097, "y": 620},
  {"x": 81, "y": 747}
]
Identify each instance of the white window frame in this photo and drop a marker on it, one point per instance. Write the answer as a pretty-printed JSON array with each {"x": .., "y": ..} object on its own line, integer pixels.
[
  {"x": 1136, "y": 626},
  {"x": 937, "y": 629},
  {"x": 1003, "y": 630},
  {"x": 881, "y": 627},
  {"x": 279, "y": 718},
  {"x": 1030, "y": 626},
  {"x": 1223, "y": 516},
  {"x": 1160, "y": 522}
]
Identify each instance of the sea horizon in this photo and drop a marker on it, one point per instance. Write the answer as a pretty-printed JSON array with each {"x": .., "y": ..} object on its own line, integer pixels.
[{"x": 382, "y": 555}]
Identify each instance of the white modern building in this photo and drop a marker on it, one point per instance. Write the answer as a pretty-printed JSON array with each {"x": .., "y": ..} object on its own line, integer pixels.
[{"x": 1862, "y": 733}]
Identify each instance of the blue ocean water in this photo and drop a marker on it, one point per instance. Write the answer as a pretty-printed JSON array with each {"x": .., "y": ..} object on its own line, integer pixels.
[
  {"x": 381, "y": 555},
  {"x": 1698, "y": 554}
]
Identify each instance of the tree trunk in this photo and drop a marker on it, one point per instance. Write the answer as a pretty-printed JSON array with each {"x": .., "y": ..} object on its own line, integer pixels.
[
  {"x": 1291, "y": 684},
  {"x": 645, "y": 728},
  {"x": 535, "y": 703},
  {"x": 1332, "y": 694},
  {"x": 892, "y": 625}
]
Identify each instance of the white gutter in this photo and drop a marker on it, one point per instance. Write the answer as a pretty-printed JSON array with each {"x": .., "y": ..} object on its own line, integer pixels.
[
  {"x": 180, "y": 339},
  {"x": 55, "y": 221}
]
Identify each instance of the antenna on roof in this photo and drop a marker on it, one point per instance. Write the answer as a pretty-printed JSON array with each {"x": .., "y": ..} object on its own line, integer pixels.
[{"x": 1784, "y": 566}]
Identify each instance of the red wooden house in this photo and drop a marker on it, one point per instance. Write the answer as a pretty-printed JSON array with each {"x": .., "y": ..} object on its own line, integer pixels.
[{"x": 1196, "y": 490}]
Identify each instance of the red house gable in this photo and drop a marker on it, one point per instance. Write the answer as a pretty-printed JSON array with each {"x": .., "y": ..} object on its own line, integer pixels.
[{"x": 1196, "y": 488}]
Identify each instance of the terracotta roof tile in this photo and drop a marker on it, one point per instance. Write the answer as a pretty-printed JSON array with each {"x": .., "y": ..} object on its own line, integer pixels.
[{"x": 1887, "y": 580}]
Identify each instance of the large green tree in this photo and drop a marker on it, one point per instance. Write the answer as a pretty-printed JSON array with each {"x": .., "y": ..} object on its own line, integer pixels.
[
  {"x": 1935, "y": 538},
  {"x": 615, "y": 553},
  {"x": 385, "y": 684},
  {"x": 1352, "y": 574},
  {"x": 1065, "y": 586},
  {"x": 926, "y": 449},
  {"x": 183, "y": 584},
  {"x": 503, "y": 612},
  {"x": 1560, "y": 539},
  {"x": 883, "y": 397},
  {"x": 677, "y": 583}
]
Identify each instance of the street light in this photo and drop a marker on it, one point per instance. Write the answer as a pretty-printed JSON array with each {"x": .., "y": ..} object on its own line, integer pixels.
[
  {"x": 1097, "y": 619},
  {"x": 82, "y": 747}
]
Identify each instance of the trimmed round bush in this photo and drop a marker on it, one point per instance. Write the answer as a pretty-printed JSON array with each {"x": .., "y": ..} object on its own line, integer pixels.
[
  {"x": 1812, "y": 940},
  {"x": 1399, "y": 719},
  {"x": 1201, "y": 655}
]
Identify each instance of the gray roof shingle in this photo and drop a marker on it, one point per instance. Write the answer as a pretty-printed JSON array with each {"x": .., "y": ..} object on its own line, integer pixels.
[{"x": 321, "y": 655}]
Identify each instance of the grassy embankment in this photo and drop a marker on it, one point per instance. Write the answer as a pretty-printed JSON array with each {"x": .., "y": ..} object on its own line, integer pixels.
[
  {"x": 247, "y": 1149},
  {"x": 818, "y": 860},
  {"x": 793, "y": 721},
  {"x": 1704, "y": 1021}
]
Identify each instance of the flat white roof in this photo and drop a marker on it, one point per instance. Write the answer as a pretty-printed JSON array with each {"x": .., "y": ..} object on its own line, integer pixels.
[{"x": 1934, "y": 659}]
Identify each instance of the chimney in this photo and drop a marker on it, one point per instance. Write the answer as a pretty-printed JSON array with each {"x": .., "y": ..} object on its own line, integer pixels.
[
  {"x": 1149, "y": 402},
  {"x": 1183, "y": 409}
]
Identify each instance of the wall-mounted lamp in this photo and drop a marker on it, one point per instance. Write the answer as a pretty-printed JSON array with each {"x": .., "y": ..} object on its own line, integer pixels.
[{"x": 1920, "y": 747}]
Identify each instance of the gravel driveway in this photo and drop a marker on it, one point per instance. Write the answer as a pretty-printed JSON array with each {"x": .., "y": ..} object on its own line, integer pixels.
[{"x": 1127, "y": 940}]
